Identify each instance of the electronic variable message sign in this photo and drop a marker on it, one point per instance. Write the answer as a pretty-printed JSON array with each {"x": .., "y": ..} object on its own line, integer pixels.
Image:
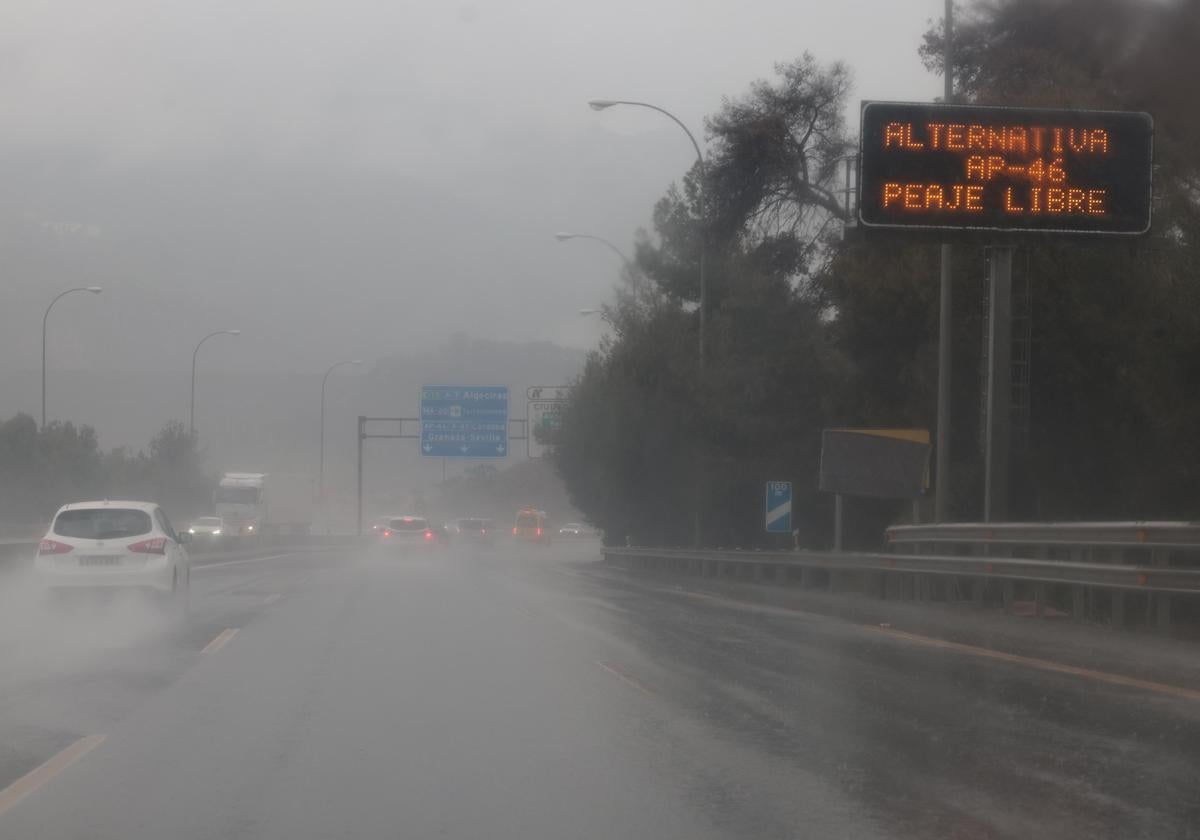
[{"x": 962, "y": 167}]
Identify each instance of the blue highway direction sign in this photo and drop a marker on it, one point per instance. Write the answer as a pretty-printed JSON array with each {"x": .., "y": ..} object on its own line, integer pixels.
[
  {"x": 779, "y": 507},
  {"x": 464, "y": 421}
]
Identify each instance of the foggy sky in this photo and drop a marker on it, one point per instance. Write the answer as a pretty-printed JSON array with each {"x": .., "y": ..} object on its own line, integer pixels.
[{"x": 361, "y": 178}]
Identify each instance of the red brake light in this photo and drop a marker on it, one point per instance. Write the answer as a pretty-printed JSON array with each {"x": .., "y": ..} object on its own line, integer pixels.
[
  {"x": 158, "y": 545},
  {"x": 53, "y": 547},
  {"x": 429, "y": 535},
  {"x": 387, "y": 533},
  {"x": 514, "y": 531},
  {"x": 483, "y": 530},
  {"x": 539, "y": 532}
]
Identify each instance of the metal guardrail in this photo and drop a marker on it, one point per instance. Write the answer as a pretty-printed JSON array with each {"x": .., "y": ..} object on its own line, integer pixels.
[
  {"x": 1102, "y": 575},
  {"x": 909, "y": 576},
  {"x": 1169, "y": 535}
]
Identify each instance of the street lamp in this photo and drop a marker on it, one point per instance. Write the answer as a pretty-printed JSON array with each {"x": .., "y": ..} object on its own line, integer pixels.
[
  {"x": 563, "y": 237},
  {"x": 94, "y": 290},
  {"x": 321, "y": 459},
  {"x": 192, "y": 415},
  {"x": 600, "y": 105}
]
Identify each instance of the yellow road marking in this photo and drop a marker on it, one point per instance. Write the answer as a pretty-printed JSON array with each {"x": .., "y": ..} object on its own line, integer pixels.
[
  {"x": 959, "y": 647},
  {"x": 37, "y": 777},
  {"x": 625, "y": 678},
  {"x": 221, "y": 640},
  {"x": 1046, "y": 665}
]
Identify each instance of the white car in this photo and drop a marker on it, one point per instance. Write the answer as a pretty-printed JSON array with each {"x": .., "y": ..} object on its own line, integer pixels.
[
  {"x": 112, "y": 544},
  {"x": 207, "y": 526},
  {"x": 405, "y": 531}
]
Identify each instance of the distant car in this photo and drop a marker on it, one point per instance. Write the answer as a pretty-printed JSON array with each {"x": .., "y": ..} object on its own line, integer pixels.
[
  {"x": 532, "y": 526},
  {"x": 115, "y": 545},
  {"x": 409, "y": 532},
  {"x": 476, "y": 530},
  {"x": 207, "y": 527},
  {"x": 575, "y": 529}
]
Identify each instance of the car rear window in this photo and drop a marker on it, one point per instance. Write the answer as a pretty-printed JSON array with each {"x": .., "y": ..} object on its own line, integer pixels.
[
  {"x": 208, "y": 520},
  {"x": 527, "y": 520},
  {"x": 408, "y": 523},
  {"x": 102, "y": 523}
]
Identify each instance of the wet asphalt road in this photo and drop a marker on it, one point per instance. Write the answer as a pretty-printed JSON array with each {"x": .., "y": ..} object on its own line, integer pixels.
[{"x": 537, "y": 694}]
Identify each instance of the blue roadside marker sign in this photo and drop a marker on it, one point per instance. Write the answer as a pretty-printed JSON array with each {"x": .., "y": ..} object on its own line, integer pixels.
[{"x": 779, "y": 507}]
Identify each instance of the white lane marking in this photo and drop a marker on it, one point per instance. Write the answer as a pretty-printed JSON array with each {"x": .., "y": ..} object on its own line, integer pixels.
[
  {"x": 220, "y": 640},
  {"x": 39, "y": 776},
  {"x": 625, "y": 678},
  {"x": 201, "y": 567}
]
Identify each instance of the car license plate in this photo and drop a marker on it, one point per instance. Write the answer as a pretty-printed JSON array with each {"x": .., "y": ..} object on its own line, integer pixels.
[{"x": 100, "y": 560}]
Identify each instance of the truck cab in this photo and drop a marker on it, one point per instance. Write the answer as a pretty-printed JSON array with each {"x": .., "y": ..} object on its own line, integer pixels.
[
  {"x": 239, "y": 502},
  {"x": 265, "y": 503}
]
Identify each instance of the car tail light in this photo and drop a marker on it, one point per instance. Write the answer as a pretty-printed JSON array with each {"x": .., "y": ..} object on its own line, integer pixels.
[
  {"x": 429, "y": 535},
  {"x": 387, "y": 533},
  {"x": 514, "y": 532},
  {"x": 53, "y": 547},
  {"x": 483, "y": 531},
  {"x": 539, "y": 532},
  {"x": 158, "y": 545}
]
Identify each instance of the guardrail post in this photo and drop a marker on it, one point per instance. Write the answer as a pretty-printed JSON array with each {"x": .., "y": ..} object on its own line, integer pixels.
[
  {"x": 1161, "y": 601},
  {"x": 1039, "y": 599},
  {"x": 781, "y": 574},
  {"x": 1078, "y": 603},
  {"x": 877, "y": 581},
  {"x": 1162, "y": 612},
  {"x": 924, "y": 588},
  {"x": 1118, "y": 609},
  {"x": 1007, "y": 594}
]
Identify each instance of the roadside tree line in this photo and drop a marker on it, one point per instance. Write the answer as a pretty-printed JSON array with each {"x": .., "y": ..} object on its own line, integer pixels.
[
  {"x": 41, "y": 469},
  {"x": 807, "y": 330}
]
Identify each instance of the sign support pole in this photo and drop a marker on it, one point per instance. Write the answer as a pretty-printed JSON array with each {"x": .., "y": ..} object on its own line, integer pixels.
[
  {"x": 362, "y": 422},
  {"x": 941, "y": 484},
  {"x": 837, "y": 522},
  {"x": 999, "y": 384}
]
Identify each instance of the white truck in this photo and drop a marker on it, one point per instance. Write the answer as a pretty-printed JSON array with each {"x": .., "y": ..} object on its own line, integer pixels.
[{"x": 265, "y": 503}]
